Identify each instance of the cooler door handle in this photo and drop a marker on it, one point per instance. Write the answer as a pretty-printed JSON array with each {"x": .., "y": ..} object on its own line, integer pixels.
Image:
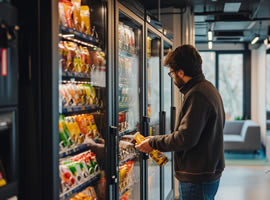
[
  {"x": 114, "y": 155},
  {"x": 163, "y": 123},
  {"x": 145, "y": 133},
  {"x": 173, "y": 116}
]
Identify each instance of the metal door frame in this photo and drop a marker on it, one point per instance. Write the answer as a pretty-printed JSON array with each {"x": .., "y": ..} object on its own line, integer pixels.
[{"x": 128, "y": 13}]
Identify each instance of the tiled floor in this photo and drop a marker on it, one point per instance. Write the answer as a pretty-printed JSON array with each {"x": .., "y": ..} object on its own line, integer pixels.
[{"x": 245, "y": 183}]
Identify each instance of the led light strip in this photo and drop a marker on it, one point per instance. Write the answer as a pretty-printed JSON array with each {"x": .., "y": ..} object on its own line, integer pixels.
[{"x": 70, "y": 37}]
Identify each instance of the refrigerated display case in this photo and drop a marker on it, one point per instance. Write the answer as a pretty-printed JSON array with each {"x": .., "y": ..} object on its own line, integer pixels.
[
  {"x": 129, "y": 62},
  {"x": 9, "y": 146},
  {"x": 82, "y": 99},
  {"x": 153, "y": 58}
]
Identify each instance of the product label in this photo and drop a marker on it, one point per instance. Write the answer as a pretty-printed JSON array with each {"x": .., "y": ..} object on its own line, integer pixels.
[{"x": 4, "y": 62}]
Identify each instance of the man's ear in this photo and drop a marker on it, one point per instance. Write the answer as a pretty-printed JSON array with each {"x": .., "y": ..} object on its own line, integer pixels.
[{"x": 180, "y": 73}]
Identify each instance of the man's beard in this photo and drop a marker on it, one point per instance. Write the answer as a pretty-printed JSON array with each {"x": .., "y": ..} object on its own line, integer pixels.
[{"x": 179, "y": 82}]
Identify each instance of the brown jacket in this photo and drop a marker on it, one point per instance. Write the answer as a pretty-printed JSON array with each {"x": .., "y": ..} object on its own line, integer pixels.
[{"x": 198, "y": 138}]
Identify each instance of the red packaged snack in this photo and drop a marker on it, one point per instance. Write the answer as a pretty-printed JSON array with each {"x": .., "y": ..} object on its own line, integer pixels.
[
  {"x": 76, "y": 14},
  {"x": 83, "y": 123},
  {"x": 65, "y": 13},
  {"x": 94, "y": 58}
]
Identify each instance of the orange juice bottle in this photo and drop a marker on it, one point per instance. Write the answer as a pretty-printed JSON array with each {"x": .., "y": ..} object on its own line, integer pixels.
[{"x": 156, "y": 155}]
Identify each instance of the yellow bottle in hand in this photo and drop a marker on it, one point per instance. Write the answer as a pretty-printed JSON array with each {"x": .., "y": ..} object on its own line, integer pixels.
[{"x": 156, "y": 155}]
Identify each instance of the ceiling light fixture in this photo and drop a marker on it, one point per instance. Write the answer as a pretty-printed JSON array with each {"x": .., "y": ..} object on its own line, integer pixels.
[
  {"x": 255, "y": 39},
  {"x": 232, "y": 7},
  {"x": 210, "y": 45},
  {"x": 210, "y": 35}
]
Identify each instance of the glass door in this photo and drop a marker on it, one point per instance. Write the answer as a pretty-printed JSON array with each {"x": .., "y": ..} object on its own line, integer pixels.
[
  {"x": 82, "y": 99},
  {"x": 167, "y": 106},
  {"x": 153, "y": 57},
  {"x": 129, "y": 61}
]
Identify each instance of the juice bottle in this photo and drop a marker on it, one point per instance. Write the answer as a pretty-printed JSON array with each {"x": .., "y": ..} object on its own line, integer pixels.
[{"x": 156, "y": 155}]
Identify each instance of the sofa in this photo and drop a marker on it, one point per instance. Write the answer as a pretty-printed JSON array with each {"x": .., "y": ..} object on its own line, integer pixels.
[{"x": 242, "y": 135}]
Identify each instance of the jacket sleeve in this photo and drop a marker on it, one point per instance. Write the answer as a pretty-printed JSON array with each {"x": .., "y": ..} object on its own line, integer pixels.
[{"x": 195, "y": 117}]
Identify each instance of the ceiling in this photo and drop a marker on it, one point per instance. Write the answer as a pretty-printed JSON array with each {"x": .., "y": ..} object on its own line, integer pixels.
[{"x": 229, "y": 20}]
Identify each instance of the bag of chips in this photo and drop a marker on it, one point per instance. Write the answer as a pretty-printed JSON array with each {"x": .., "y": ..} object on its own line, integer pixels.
[
  {"x": 85, "y": 20},
  {"x": 76, "y": 14}
]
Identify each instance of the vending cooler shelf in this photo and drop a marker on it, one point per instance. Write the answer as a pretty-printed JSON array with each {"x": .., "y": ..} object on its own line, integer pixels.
[
  {"x": 126, "y": 132},
  {"x": 75, "y": 150},
  {"x": 10, "y": 190},
  {"x": 79, "y": 188},
  {"x": 78, "y": 34},
  {"x": 80, "y": 75},
  {"x": 130, "y": 157},
  {"x": 76, "y": 109}
]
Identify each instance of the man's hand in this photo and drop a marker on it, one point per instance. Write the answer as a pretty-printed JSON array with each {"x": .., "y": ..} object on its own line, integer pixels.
[{"x": 145, "y": 146}]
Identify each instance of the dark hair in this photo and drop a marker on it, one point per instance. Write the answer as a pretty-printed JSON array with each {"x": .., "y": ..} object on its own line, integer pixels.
[{"x": 187, "y": 58}]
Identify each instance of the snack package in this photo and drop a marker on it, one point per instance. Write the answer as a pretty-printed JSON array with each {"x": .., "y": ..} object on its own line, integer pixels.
[
  {"x": 83, "y": 123},
  {"x": 3, "y": 181},
  {"x": 94, "y": 58},
  {"x": 63, "y": 95},
  {"x": 88, "y": 193},
  {"x": 65, "y": 13},
  {"x": 76, "y": 14},
  {"x": 125, "y": 175},
  {"x": 82, "y": 94},
  {"x": 68, "y": 180},
  {"x": 74, "y": 130},
  {"x": 100, "y": 58},
  {"x": 85, "y": 20},
  {"x": 126, "y": 196},
  {"x": 85, "y": 59},
  {"x": 92, "y": 98},
  {"x": 63, "y": 54},
  {"x": 93, "y": 125},
  {"x": 64, "y": 135},
  {"x": 71, "y": 54},
  {"x": 77, "y": 60}
]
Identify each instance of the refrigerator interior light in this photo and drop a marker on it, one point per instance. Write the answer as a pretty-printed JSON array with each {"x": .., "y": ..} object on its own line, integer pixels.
[
  {"x": 165, "y": 31},
  {"x": 210, "y": 35},
  {"x": 255, "y": 39},
  {"x": 148, "y": 19},
  {"x": 210, "y": 45},
  {"x": 68, "y": 35}
]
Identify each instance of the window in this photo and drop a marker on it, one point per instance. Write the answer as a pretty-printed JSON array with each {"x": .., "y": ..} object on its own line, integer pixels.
[
  {"x": 225, "y": 71},
  {"x": 209, "y": 66},
  {"x": 230, "y": 84}
]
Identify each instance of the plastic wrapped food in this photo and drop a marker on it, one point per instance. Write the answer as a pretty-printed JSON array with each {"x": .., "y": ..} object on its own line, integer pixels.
[
  {"x": 77, "y": 60},
  {"x": 85, "y": 20},
  {"x": 71, "y": 54},
  {"x": 64, "y": 135},
  {"x": 74, "y": 130},
  {"x": 65, "y": 13},
  {"x": 76, "y": 14},
  {"x": 63, "y": 54}
]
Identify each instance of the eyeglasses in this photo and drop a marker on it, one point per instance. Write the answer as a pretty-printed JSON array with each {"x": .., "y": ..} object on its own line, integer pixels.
[{"x": 171, "y": 74}]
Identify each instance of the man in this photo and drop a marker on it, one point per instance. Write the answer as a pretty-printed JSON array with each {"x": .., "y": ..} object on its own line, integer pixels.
[{"x": 198, "y": 138}]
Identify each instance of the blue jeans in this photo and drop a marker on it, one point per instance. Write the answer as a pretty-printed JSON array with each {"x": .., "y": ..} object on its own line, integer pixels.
[{"x": 201, "y": 191}]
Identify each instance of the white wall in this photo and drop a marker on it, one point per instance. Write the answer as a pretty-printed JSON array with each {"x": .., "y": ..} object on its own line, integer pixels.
[{"x": 258, "y": 91}]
